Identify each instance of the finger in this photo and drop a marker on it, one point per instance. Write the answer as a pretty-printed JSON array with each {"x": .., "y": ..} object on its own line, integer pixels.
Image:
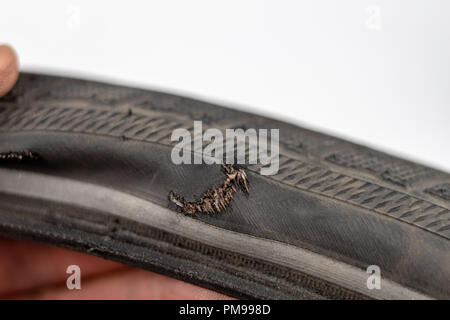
[
  {"x": 34, "y": 270},
  {"x": 27, "y": 265},
  {"x": 128, "y": 284},
  {"x": 9, "y": 69}
]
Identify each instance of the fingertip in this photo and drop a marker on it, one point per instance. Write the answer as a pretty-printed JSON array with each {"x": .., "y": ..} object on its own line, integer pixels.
[{"x": 9, "y": 69}]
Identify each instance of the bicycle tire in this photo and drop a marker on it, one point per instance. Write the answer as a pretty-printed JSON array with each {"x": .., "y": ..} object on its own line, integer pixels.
[{"x": 86, "y": 165}]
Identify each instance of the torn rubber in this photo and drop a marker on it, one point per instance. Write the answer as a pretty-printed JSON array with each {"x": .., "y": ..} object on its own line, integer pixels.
[{"x": 218, "y": 199}]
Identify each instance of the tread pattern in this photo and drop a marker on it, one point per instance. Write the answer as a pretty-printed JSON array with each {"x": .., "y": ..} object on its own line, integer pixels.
[
  {"x": 368, "y": 195},
  {"x": 134, "y": 114},
  {"x": 440, "y": 190},
  {"x": 387, "y": 169}
]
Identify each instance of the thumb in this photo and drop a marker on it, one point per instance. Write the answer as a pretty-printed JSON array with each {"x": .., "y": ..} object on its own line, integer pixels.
[{"x": 9, "y": 69}]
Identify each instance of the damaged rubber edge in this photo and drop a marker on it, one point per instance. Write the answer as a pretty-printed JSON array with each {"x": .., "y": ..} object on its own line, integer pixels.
[
  {"x": 18, "y": 156},
  {"x": 134, "y": 208},
  {"x": 218, "y": 199}
]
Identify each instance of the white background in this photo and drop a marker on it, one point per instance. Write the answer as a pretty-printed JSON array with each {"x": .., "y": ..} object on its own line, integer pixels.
[{"x": 375, "y": 72}]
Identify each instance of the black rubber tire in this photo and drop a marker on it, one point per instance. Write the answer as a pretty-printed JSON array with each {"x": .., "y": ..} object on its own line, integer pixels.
[{"x": 100, "y": 174}]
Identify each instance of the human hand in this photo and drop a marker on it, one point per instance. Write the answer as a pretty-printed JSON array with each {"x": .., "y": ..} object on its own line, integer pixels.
[
  {"x": 9, "y": 69},
  {"x": 31, "y": 270}
]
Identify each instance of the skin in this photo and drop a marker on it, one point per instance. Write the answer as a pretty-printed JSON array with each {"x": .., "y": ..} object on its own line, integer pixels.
[
  {"x": 31, "y": 270},
  {"x": 9, "y": 69}
]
